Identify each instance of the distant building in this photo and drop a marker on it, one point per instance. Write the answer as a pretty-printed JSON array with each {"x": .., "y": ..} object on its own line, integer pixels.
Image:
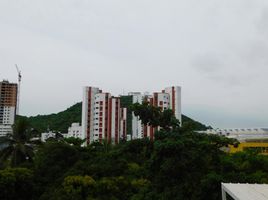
[
  {"x": 46, "y": 136},
  {"x": 250, "y": 138},
  {"x": 105, "y": 117},
  {"x": 75, "y": 131},
  {"x": 8, "y": 102},
  {"x": 241, "y": 134}
]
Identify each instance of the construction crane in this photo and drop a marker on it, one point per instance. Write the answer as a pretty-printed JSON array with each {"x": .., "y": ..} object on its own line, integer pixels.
[{"x": 18, "y": 92}]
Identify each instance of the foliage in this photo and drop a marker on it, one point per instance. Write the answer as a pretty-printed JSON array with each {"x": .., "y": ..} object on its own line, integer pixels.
[
  {"x": 154, "y": 116},
  {"x": 178, "y": 164},
  {"x": 57, "y": 122},
  {"x": 193, "y": 125},
  {"x": 17, "y": 147},
  {"x": 74, "y": 141},
  {"x": 16, "y": 183},
  {"x": 52, "y": 160}
]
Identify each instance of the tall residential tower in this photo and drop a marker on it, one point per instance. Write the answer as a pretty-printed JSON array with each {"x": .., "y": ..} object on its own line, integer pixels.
[
  {"x": 8, "y": 102},
  {"x": 102, "y": 117}
]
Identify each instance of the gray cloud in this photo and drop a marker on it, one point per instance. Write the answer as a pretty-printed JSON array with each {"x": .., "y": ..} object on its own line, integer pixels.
[
  {"x": 207, "y": 63},
  {"x": 216, "y": 50}
]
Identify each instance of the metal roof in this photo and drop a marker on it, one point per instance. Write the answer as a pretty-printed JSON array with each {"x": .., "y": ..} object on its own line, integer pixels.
[{"x": 246, "y": 191}]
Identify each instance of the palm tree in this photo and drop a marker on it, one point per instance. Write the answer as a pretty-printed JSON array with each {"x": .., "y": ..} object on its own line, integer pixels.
[{"x": 17, "y": 147}]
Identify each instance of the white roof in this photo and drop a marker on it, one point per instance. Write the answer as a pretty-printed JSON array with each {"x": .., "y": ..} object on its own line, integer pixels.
[{"x": 246, "y": 191}]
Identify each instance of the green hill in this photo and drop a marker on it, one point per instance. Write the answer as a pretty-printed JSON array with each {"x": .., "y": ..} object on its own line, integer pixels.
[
  {"x": 62, "y": 120},
  {"x": 57, "y": 122}
]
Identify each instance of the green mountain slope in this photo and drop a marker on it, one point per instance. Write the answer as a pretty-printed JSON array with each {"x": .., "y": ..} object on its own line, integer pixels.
[
  {"x": 59, "y": 121},
  {"x": 62, "y": 120}
]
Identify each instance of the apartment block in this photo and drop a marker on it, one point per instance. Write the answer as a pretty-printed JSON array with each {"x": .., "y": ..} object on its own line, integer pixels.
[
  {"x": 75, "y": 130},
  {"x": 105, "y": 117},
  {"x": 174, "y": 93},
  {"x": 102, "y": 116},
  {"x": 8, "y": 102}
]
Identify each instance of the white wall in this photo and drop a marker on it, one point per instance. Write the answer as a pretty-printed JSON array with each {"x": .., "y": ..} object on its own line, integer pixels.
[
  {"x": 177, "y": 90},
  {"x": 75, "y": 131},
  {"x": 85, "y": 105},
  {"x": 45, "y": 136},
  {"x": 137, "y": 129}
]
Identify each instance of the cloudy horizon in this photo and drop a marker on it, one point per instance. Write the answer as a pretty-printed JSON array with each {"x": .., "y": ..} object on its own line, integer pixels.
[{"x": 215, "y": 50}]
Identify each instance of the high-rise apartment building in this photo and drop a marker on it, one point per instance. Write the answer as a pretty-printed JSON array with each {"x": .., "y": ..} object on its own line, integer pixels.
[
  {"x": 107, "y": 117},
  {"x": 102, "y": 116},
  {"x": 8, "y": 102},
  {"x": 174, "y": 93}
]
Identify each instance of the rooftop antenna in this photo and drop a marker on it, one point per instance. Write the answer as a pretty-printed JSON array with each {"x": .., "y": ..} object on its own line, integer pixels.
[{"x": 18, "y": 93}]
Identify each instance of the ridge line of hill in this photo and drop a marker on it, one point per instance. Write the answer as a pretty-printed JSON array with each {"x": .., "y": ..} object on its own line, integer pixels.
[{"x": 62, "y": 120}]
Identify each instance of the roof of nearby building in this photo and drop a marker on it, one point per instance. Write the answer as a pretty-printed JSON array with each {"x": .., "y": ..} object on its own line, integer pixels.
[
  {"x": 246, "y": 191},
  {"x": 241, "y": 134}
]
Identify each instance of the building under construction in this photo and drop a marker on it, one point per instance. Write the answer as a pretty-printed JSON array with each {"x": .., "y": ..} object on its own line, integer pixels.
[{"x": 8, "y": 102}]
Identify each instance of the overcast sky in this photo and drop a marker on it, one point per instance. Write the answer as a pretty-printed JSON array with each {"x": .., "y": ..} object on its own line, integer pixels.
[{"x": 216, "y": 50}]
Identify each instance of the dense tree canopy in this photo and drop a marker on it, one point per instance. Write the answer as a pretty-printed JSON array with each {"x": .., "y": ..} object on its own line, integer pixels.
[
  {"x": 17, "y": 147},
  {"x": 178, "y": 164}
]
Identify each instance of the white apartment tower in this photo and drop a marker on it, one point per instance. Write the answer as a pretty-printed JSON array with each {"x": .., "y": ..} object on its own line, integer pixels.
[
  {"x": 175, "y": 100},
  {"x": 102, "y": 117},
  {"x": 88, "y": 112},
  {"x": 8, "y": 102},
  {"x": 137, "y": 128}
]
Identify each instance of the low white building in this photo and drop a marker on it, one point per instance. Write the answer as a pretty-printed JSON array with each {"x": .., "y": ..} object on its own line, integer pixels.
[
  {"x": 241, "y": 134},
  {"x": 46, "y": 136},
  {"x": 75, "y": 131}
]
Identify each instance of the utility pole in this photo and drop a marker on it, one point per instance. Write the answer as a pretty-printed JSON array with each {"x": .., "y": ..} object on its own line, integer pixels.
[{"x": 18, "y": 92}]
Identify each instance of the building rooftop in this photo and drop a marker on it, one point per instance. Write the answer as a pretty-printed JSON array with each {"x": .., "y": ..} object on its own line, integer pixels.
[{"x": 245, "y": 191}]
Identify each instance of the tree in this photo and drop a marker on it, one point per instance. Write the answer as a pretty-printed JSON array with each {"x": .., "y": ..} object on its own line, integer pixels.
[
  {"x": 16, "y": 183},
  {"x": 74, "y": 141},
  {"x": 154, "y": 116},
  {"x": 17, "y": 147}
]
